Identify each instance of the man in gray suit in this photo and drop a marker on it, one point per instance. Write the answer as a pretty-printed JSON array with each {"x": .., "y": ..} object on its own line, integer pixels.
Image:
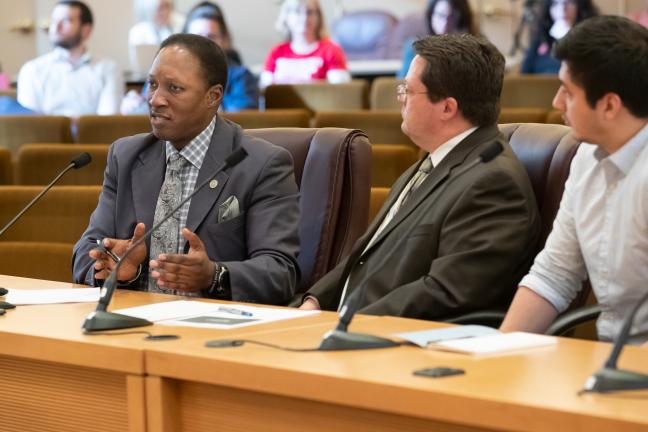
[
  {"x": 447, "y": 241},
  {"x": 237, "y": 238}
]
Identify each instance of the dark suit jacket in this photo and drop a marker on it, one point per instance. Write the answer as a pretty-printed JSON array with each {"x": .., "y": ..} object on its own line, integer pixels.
[
  {"x": 259, "y": 247},
  {"x": 460, "y": 243}
]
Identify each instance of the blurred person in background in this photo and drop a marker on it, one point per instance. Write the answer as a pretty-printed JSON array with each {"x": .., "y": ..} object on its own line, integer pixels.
[
  {"x": 307, "y": 54},
  {"x": 157, "y": 21},
  {"x": 442, "y": 17},
  {"x": 556, "y": 19},
  {"x": 70, "y": 81},
  {"x": 206, "y": 19}
]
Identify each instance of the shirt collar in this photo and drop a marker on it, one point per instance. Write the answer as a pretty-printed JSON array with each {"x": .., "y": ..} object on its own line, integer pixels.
[
  {"x": 442, "y": 151},
  {"x": 61, "y": 54},
  {"x": 626, "y": 156},
  {"x": 195, "y": 151}
]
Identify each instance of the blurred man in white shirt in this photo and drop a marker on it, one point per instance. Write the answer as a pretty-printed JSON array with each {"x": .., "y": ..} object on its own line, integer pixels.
[{"x": 69, "y": 81}]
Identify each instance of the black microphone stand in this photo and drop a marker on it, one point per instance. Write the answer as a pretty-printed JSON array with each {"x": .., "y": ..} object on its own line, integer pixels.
[
  {"x": 340, "y": 339},
  {"x": 101, "y": 319},
  {"x": 609, "y": 378}
]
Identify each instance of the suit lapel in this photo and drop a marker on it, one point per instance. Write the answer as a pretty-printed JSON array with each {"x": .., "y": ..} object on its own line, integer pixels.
[
  {"x": 147, "y": 178},
  {"x": 436, "y": 178},
  {"x": 221, "y": 145}
]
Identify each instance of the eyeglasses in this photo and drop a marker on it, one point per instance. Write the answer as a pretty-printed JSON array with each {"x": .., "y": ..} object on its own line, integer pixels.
[{"x": 402, "y": 92}]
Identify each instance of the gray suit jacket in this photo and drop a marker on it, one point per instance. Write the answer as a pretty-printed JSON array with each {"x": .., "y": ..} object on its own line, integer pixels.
[
  {"x": 259, "y": 247},
  {"x": 460, "y": 243}
]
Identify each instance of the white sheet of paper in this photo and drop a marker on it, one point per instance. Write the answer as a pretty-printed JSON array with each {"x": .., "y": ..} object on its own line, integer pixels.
[
  {"x": 491, "y": 344},
  {"x": 52, "y": 296},
  {"x": 188, "y": 313}
]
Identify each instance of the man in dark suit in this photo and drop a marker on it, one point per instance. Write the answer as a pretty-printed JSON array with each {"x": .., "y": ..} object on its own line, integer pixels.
[
  {"x": 446, "y": 242},
  {"x": 238, "y": 237}
]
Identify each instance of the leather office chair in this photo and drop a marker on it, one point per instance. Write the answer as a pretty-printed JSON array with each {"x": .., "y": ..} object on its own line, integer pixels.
[
  {"x": 383, "y": 94},
  {"x": 105, "y": 129},
  {"x": 529, "y": 91},
  {"x": 18, "y": 130},
  {"x": 389, "y": 161},
  {"x": 332, "y": 170},
  {"x": 6, "y": 167},
  {"x": 48, "y": 261},
  {"x": 522, "y": 115},
  {"x": 39, "y": 163},
  {"x": 318, "y": 96},
  {"x": 382, "y": 127},
  {"x": 40, "y": 244},
  {"x": 253, "y": 119},
  {"x": 555, "y": 117},
  {"x": 546, "y": 150},
  {"x": 365, "y": 34}
]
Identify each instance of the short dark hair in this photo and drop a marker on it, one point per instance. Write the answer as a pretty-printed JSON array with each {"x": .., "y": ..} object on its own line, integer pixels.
[
  {"x": 462, "y": 17},
  {"x": 608, "y": 54},
  {"x": 84, "y": 11},
  {"x": 466, "y": 67},
  {"x": 210, "y": 55}
]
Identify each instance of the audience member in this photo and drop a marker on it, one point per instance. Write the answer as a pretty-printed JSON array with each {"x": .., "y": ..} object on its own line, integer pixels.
[
  {"x": 556, "y": 19},
  {"x": 241, "y": 231},
  {"x": 600, "y": 230},
  {"x": 206, "y": 19},
  {"x": 446, "y": 242},
  {"x": 157, "y": 21},
  {"x": 69, "y": 80},
  {"x": 241, "y": 92},
  {"x": 307, "y": 54},
  {"x": 441, "y": 17}
]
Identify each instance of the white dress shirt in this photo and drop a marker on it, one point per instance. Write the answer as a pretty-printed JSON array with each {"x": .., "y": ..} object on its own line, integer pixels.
[
  {"x": 51, "y": 84},
  {"x": 601, "y": 230}
]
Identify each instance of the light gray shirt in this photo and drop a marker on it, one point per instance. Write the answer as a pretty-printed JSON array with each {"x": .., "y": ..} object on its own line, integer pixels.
[
  {"x": 52, "y": 84},
  {"x": 601, "y": 231}
]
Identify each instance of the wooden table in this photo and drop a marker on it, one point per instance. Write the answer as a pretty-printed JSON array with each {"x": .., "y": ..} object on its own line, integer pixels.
[
  {"x": 254, "y": 388},
  {"x": 55, "y": 378}
]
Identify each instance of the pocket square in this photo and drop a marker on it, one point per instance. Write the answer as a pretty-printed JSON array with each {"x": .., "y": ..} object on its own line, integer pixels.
[{"x": 228, "y": 209}]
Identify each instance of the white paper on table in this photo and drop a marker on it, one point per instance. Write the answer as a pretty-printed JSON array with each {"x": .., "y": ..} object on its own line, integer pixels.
[
  {"x": 168, "y": 310},
  {"x": 491, "y": 344},
  {"x": 187, "y": 313},
  {"x": 52, "y": 296}
]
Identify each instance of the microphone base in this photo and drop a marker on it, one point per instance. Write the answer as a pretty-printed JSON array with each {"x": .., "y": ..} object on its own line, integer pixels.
[
  {"x": 609, "y": 380},
  {"x": 101, "y": 320},
  {"x": 336, "y": 340}
]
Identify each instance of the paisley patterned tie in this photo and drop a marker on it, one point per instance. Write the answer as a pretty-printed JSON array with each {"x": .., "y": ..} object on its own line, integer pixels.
[{"x": 165, "y": 238}]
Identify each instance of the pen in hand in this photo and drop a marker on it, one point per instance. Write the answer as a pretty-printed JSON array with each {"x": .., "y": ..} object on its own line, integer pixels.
[
  {"x": 103, "y": 248},
  {"x": 234, "y": 311}
]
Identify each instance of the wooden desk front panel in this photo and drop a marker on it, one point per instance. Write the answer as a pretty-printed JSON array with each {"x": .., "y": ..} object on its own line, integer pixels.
[
  {"x": 50, "y": 397},
  {"x": 197, "y": 407}
]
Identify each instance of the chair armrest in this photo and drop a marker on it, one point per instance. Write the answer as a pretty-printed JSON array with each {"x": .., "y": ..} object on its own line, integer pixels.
[
  {"x": 570, "y": 320},
  {"x": 488, "y": 318}
]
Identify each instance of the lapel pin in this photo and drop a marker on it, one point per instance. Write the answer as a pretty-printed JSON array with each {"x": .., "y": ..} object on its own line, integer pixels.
[{"x": 213, "y": 184}]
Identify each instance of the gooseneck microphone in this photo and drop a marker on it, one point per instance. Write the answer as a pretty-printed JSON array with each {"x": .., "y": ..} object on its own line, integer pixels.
[
  {"x": 100, "y": 319},
  {"x": 340, "y": 339},
  {"x": 80, "y": 161},
  {"x": 609, "y": 378}
]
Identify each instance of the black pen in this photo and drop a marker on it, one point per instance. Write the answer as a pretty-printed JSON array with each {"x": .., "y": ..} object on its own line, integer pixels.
[{"x": 103, "y": 248}]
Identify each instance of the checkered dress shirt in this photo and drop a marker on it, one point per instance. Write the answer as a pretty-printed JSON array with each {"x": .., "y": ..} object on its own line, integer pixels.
[{"x": 194, "y": 153}]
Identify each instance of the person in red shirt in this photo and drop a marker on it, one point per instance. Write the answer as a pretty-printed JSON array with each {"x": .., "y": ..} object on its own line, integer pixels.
[{"x": 307, "y": 55}]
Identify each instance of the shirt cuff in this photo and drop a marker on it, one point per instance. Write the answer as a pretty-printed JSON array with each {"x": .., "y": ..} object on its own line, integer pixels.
[{"x": 543, "y": 288}]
